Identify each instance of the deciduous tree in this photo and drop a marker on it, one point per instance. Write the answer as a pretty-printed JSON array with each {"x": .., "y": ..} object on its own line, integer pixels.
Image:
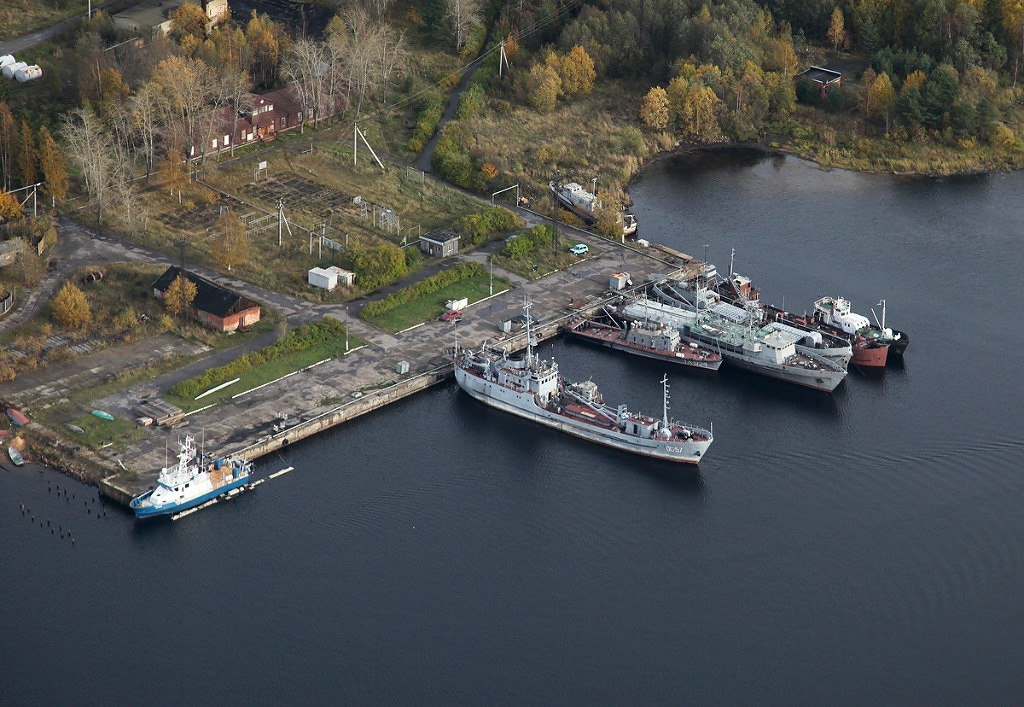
[
  {"x": 654, "y": 110},
  {"x": 89, "y": 146},
  {"x": 836, "y": 29},
  {"x": 881, "y": 98},
  {"x": 462, "y": 16},
  {"x": 10, "y": 208},
  {"x": 51, "y": 160},
  {"x": 172, "y": 168},
  {"x": 190, "y": 19},
  {"x": 263, "y": 38},
  {"x": 230, "y": 246},
  {"x": 179, "y": 295},
  {"x": 700, "y": 123},
  {"x": 577, "y": 73},
  {"x": 542, "y": 88},
  {"x": 71, "y": 308},
  {"x": 7, "y": 141},
  {"x": 28, "y": 155}
]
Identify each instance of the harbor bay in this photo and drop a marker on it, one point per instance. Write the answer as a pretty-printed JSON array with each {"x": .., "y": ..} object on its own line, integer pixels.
[{"x": 857, "y": 547}]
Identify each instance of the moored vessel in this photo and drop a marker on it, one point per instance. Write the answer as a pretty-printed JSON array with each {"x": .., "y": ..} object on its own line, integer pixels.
[
  {"x": 533, "y": 389},
  {"x": 738, "y": 291},
  {"x": 585, "y": 204},
  {"x": 761, "y": 350},
  {"x": 192, "y": 481},
  {"x": 648, "y": 339},
  {"x": 836, "y": 312}
]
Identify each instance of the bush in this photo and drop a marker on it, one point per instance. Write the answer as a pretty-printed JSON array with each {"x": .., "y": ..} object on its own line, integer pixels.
[
  {"x": 479, "y": 227},
  {"x": 463, "y": 271},
  {"x": 431, "y": 110},
  {"x": 471, "y": 102},
  {"x": 518, "y": 247}
]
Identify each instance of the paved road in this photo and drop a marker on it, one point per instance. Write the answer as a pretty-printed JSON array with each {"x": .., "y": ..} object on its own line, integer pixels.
[{"x": 19, "y": 44}]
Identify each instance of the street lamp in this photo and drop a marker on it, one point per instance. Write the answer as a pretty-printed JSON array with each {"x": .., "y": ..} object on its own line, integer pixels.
[
  {"x": 490, "y": 261},
  {"x": 348, "y": 323}
]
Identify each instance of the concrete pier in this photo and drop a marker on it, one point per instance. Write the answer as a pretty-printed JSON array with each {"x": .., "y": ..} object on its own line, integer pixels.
[{"x": 285, "y": 413}]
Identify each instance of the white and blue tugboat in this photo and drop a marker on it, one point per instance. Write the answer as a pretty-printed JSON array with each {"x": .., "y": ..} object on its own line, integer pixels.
[{"x": 191, "y": 481}]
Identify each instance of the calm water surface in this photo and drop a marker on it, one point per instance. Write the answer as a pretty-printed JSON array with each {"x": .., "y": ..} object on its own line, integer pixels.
[{"x": 866, "y": 547}]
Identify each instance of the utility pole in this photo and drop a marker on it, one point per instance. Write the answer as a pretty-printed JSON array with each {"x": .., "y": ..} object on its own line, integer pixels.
[
  {"x": 491, "y": 262},
  {"x": 280, "y": 220}
]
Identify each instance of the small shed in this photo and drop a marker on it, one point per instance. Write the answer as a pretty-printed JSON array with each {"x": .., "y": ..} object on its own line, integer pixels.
[
  {"x": 323, "y": 278},
  {"x": 346, "y": 278},
  {"x": 440, "y": 244},
  {"x": 823, "y": 78},
  {"x": 619, "y": 281}
]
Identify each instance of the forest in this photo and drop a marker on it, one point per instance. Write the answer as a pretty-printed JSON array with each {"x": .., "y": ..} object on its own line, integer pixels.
[{"x": 112, "y": 108}]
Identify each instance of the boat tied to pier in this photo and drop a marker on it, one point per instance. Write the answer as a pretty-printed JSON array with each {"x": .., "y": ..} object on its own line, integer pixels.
[
  {"x": 759, "y": 349},
  {"x": 191, "y": 482},
  {"x": 836, "y": 312},
  {"x": 585, "y": 204},
  {"x": 532, "y": 388},
  {"x": 648, "y": 339}
]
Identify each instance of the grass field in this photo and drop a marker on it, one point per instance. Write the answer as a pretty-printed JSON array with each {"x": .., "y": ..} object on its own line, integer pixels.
[
  {"x": 432, "y": 306},
  {"x": 270, "y": 371},
  {"x": 19, "y": 17}
]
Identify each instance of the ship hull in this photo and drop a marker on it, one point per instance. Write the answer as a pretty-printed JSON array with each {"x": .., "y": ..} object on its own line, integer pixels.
[
  {"x": 524, "y": 405},
  {"x": 816, "y": 380},
  {"x": 899, "y": 343},
  {"x": 567, "y": 204},
  {"x": 825, "y": 381},
  {"x": 867, "y": 355},
  {"x": 619, "y": 344},
  {"x": 143, "y": 509}
]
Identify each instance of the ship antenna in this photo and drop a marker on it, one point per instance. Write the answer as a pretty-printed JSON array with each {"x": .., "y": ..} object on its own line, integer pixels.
[
  {"x": 664, "y": 399},
  {"x": 529, "y": 333}
]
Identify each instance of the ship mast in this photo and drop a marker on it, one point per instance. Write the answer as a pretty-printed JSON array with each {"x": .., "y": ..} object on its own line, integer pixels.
[
  {"x": 664, "y": 399},
  {"x": 881, "y": 303},
  {"x": 529, "y": 333}
]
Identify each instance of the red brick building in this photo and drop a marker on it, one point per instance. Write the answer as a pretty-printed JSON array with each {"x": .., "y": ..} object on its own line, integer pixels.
[{"x": 215, "y": 307}]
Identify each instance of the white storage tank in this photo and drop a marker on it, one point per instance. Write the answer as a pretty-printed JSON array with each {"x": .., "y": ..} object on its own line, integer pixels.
[
  {"x": 7, "y": 59},
  {"x": 9, "y": 69},
  {"x": 29, "y": 73}
]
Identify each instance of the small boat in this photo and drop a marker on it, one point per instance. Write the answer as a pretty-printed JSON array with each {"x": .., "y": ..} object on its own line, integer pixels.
[
  {"x": 103, "y": 414},
  {"x": 17, "y": 417},
  {"x": 15, "y": 456},
  {"x": 76, "y": 429}
]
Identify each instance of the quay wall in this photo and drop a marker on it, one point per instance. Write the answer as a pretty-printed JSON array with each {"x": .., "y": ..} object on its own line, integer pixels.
[{"x": 371, "y": 400}]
